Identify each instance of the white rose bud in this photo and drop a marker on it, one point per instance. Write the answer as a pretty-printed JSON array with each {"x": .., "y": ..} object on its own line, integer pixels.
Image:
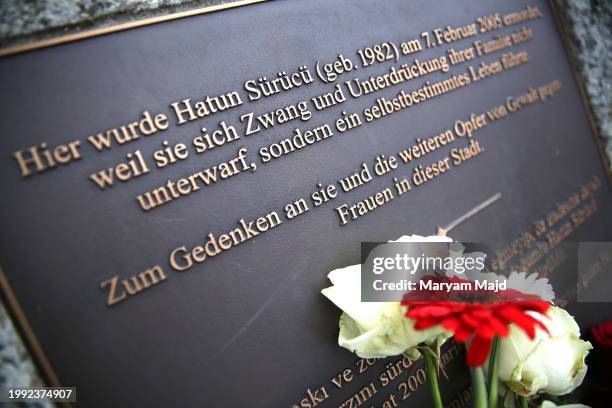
[
  {"x": 374, "y": 329},
  {"x": 549, "y": 363}
]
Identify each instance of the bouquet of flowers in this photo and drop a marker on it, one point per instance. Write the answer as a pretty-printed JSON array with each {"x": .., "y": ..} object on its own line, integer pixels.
[{"x": 526, "y": 346}]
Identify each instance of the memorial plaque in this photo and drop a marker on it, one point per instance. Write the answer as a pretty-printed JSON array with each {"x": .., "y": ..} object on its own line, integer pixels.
[{"x": 174, "y": 194}]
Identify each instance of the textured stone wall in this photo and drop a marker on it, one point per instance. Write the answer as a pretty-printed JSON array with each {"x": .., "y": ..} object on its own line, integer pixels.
[
  {"x": 27, "y": 20},
  {"x": 589, "y": 27},
  {"x": 588, "y": 23}
]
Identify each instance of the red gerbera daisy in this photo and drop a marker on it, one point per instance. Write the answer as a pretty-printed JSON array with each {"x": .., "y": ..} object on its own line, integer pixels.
[{"x": 479, "y": 322}]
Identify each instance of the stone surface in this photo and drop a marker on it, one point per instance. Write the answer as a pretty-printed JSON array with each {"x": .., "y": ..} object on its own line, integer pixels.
[
  {"x": 28, "y": 20},
  {"x": 588, "y": 23},
  {"x": 589, "y": 27},
  {"x": 16, "y": 367}
]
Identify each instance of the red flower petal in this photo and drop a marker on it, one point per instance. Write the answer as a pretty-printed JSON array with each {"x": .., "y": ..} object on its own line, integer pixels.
[
  {"x": 540, "y": 325},
  {"x": 602, "y": 334},
  {"x": 478, "y": 351},
  {"x": 469, "y": 320},
  {"x": 428, "y": 312},
  {"x": 463, "y": 334},
  {"x": 423, "y": 324},
  {"x": 483, "y": 313},
  {"x": 485, "y": 331},
  {"x": 521, "y": 319},
  {"x": 540, "y": 307},
  {"x": 499, "y": 327},
  {"x": 451, "y": 323}
]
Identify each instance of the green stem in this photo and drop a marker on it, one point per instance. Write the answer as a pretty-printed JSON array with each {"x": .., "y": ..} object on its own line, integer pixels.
[
  {"x": 494, "y": 374},
  {"x": 524, "y": 402},
  {"x": 509, "y": 399},
  {"x": 479, "y": 387},
  {"x": 432, "y": 375}
]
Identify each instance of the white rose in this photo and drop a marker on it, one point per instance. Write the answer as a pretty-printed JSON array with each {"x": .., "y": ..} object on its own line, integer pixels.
[
  {"x": 550, "y": 404},
  {"x": 376, "y": 329},
  {"x": 550, "y": 363}
]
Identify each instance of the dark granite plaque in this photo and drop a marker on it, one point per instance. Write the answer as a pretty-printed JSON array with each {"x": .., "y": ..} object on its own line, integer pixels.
[{"x": 235, "y": 319}]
